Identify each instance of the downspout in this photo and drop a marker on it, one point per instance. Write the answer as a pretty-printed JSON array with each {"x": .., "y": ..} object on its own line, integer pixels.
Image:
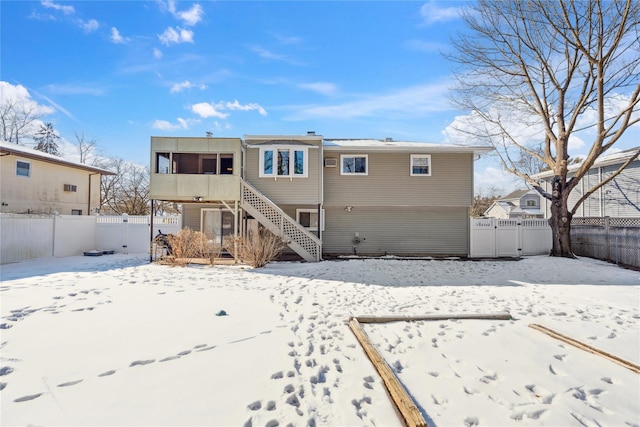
[
  {"x": 151, "y": 232},
  {"x": 89, "y": 198}
]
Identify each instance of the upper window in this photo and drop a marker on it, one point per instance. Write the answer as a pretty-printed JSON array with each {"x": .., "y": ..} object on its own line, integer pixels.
[
  {"x": 354, "y": 164},
  {"x": 194, "y": 163},
  {"x": 531, "y": 203},
  {"x": 23, "y": 168},
  {"x": 420, "y": 165},
  {"x": 163, "y": 163},
  {"x": 283, "y": 161}
]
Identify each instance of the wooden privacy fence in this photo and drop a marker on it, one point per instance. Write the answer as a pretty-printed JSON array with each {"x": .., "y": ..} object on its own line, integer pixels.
[
  {"x": 24, "y": 237},
  {"x": 610, "y": 239},
  {"x": 494, "y": 238}
]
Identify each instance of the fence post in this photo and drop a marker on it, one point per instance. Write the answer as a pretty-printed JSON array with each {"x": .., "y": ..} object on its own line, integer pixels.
[{"x": 607, "y": 240}]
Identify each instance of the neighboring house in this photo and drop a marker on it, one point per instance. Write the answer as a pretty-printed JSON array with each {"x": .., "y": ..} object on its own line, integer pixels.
[
  {"x": 327, "y": 196},
  {"x": 36, "y": 182},
  {"x": 519, "y": 204},
  {"x": 618, "y": 198}
]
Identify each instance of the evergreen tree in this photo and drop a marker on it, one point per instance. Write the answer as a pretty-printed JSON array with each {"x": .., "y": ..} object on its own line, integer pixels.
[{"x": 46, "y": 139}]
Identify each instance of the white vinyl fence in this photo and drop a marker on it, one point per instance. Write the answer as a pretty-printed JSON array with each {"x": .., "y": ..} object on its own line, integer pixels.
[
  {"x": 24, "y": 237},
  {"x": 494, "y": 238}
]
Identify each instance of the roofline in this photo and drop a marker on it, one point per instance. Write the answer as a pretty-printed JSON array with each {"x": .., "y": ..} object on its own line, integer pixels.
[
  {"x": 20, "y": 151},
  {"x": 433, "y": 148},
  {"x": 608, "y": 160}
]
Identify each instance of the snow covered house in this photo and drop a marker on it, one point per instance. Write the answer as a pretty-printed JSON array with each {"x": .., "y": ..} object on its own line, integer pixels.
[
  {"x": 38, "y": 182},
  {"x": 324, "y": 196},
  {"x": 620, "y": 197},
  {"x": 519, "y": 204}
]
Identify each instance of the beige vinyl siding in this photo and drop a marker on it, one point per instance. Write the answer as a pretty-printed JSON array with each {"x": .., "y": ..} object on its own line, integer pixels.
[
  {"x": 397, "y": 231},
  {"x": 285, "y": 190},
  {"x": 389, "y": 181}
]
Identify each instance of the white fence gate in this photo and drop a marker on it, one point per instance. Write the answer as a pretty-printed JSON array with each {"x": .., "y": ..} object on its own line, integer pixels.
[
  {"x": 494, "y": 238},
  {"x": 24, "y": 237}
]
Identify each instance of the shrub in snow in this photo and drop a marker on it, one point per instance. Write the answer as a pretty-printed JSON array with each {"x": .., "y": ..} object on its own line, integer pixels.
[
  {"x": 257, "y": 249},
  {"x": 187, "y": 245}
]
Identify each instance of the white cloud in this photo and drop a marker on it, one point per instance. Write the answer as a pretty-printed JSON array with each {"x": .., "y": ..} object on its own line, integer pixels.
[
  {"x": 489, "y": 178},
  {"x": 177, "y": 35},
  {"x": 168, "y": 126},
  {"x": 411, "y": 101},
  {"x": 116, "y": 37},
  {"x": 192, "y": 16},
  {"x": 67, "y": 10},
  {"x": 206, "y": 110},
  {"x": 89, "y": 26},
  {"x": 322, "y": 88},
  {"x": 235, "y": 105},
  {"x": 189, "y": 17},
  {"x": 433, "y": 13},
  {"x": 157, "y": 53},
  {"x": 272, "y": 56},
  {"x": 20, "y": 97},
  {"x": 179, "y": 87}
]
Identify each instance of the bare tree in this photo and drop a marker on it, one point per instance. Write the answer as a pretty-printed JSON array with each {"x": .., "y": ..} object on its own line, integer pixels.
[
  {"x": 86, "y": 149},
  {"x": 483, "y": 200},
  {"x": 128, "y": 190},
  {"x": 46, "y": 139},
  {"x": 17, "y": 120},
  {"x": 540, "y": 70}
]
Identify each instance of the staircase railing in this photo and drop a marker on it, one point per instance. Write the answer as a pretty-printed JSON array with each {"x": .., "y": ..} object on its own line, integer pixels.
[{"x": 304, "y": 243}]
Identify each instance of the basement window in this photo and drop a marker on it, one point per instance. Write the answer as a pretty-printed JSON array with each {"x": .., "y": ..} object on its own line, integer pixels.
[
  {"x": 71, "y": 188},
  {"x": 308, "y": 218}
]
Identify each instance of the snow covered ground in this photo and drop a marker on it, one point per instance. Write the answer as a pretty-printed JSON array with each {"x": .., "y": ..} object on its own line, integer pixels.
[{"x": 113, "y": 340}]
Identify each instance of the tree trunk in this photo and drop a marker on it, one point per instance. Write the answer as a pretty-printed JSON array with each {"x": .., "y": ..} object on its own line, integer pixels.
[{"x": 560, "y": 220}]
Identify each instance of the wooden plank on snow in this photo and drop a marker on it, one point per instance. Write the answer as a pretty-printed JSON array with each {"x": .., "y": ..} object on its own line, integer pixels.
[
  {"x": 471, "y": 316},
  {"x": 409, "y": 412},
  {"x": 586, "y": 347}
]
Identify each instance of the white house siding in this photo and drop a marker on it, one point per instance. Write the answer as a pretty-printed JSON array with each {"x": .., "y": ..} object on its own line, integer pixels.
[
  {"x": 397, "y": 231},
  {"x": 389, "y": 183},
  {"x": 283, "y": 191},
  {"x": 608, "y": 200}
]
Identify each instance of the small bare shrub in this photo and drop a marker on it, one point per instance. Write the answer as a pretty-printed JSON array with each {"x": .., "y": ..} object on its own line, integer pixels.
[
  {"x": 188, "y": 244},
  {"x": 257, "y": 250}
]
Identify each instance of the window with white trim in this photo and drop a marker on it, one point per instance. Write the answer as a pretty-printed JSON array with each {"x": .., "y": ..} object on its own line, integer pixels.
[
  {"x": 354, "y": 164},
  {"x": 420, "y": 165},
  {"x": 284, "y": 162},
  {"x": 531, "y": 203},
  {"x": 23, "y": 168},
  {"x": 308, "y": 218}
]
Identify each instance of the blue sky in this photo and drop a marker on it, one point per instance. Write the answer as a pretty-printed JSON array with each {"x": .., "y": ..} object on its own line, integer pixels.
[{"x": 122, "y": 71}]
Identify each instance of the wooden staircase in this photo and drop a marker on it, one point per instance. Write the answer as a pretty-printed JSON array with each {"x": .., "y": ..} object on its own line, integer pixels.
[{"x": 304, "y": 243}]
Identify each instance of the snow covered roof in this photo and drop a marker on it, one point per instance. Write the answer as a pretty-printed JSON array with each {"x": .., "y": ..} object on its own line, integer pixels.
[
  {"x": 388, "y": 144},
  {"x": 9, "y": 148},
  {"x": 606, "y": 160}
]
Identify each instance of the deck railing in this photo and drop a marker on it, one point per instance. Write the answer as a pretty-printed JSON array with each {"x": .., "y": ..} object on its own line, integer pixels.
[{"x": 303, "y": 242}]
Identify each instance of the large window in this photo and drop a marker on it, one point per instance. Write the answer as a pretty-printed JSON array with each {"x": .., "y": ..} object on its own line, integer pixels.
[
  {"x": 308, "y": 218},
  {"x": 283, "y": 162},
  {"x": 194, "y": 163},
  {"x": 354, "y": 165},
  {"x": 23, "y": 168},
  {"x": 420, "y": 165}
]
